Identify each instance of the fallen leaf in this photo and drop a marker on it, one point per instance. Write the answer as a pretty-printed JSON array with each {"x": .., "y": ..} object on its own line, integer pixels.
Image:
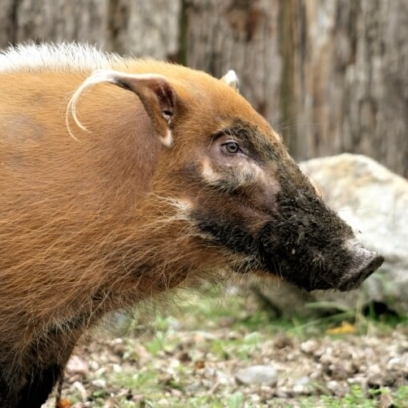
[{"x": 345, "y": 328}]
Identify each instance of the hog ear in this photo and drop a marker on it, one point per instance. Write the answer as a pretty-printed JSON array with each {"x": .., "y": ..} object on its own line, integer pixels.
[
  {"x": 231, "y": 79},
  {"x": 158, "y": 98},
  {"x": 154, "y": 91}
]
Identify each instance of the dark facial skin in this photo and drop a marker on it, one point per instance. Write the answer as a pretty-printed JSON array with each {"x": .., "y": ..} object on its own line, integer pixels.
[{"x": 275, "y": 218}]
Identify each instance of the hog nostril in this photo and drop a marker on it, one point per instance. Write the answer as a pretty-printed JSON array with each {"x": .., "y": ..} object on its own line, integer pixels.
[
  {"x": 376, "y": 262},
  {"x": 363, "y": 264},
  {"x": 370, "y": 266}
]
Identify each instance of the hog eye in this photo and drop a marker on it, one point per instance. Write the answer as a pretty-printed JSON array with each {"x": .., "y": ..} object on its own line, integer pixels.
[{"x": 231, "y": 147}]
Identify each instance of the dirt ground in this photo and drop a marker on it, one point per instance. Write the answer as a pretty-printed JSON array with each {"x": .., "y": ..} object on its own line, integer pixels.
[{"x": 205, "y": 358}]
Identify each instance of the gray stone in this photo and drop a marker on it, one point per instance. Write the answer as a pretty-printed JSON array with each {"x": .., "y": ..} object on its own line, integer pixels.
[{"x": 257, "y": 375}]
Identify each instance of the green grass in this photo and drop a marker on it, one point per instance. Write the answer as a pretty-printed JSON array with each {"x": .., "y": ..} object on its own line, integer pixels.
[
  {"x": 251, "y": 327},
  {"x": 357, "y": 398}
]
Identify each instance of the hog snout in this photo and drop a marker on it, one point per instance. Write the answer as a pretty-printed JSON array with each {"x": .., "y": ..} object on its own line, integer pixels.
[
  {"x": 363, "y": 263},
  {"x": 307, "y": 244}
]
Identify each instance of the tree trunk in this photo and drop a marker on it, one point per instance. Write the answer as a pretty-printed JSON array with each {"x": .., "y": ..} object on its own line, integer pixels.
[
  {"x": 58, "y": 20},
  {"x": 351, "y": 87},
  {"x": 7, "y": 22},
  {"x": 145, "y": 28},
  {"x": 142, "y": 28},
  {"x": 242, "y": 35}
]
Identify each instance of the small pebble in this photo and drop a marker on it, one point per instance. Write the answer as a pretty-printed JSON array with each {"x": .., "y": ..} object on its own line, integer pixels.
[{"x": 258, "y": 375}]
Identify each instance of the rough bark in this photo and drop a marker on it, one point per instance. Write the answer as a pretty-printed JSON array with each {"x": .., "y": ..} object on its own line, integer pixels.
[
  {"x": 7, "y": 22},
  {"x": 59, "y": 20},
  {"x": 350, "y": 79},
  {"x": 145, "y": 28},
  {"x": 241, "y": 35},
  {"x": 126, "y": 26}
]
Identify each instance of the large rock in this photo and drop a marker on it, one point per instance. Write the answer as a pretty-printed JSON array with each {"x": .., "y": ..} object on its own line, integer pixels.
[{"x": 374, "y": 201}]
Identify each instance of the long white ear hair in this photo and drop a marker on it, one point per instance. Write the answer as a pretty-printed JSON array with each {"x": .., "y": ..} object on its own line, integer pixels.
[{"x": 154, "y": 91}]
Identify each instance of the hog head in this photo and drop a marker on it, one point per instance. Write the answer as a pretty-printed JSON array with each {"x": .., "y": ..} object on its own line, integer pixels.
[
  {"x": 240, "y": 192},
  {"x": 273, "y": 215}
]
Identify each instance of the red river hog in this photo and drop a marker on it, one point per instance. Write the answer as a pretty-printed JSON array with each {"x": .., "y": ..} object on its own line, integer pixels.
[{"x": 122, "y": 179}]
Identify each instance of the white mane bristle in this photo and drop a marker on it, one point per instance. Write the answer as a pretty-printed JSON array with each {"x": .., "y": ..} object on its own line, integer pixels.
[{"x": 58, "y": 57}]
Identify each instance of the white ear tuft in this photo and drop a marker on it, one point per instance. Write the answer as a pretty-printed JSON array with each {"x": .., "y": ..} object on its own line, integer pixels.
[
  {"x": 231, "y": 79},
  {"x": 154, "y": 91},
  {"x": 97, "y": 77}
]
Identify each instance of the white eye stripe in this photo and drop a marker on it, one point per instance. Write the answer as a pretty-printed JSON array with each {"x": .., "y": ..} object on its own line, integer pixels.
[
  {"x": 209, "y": 174},
  {"x": 168, "y": 139}
]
